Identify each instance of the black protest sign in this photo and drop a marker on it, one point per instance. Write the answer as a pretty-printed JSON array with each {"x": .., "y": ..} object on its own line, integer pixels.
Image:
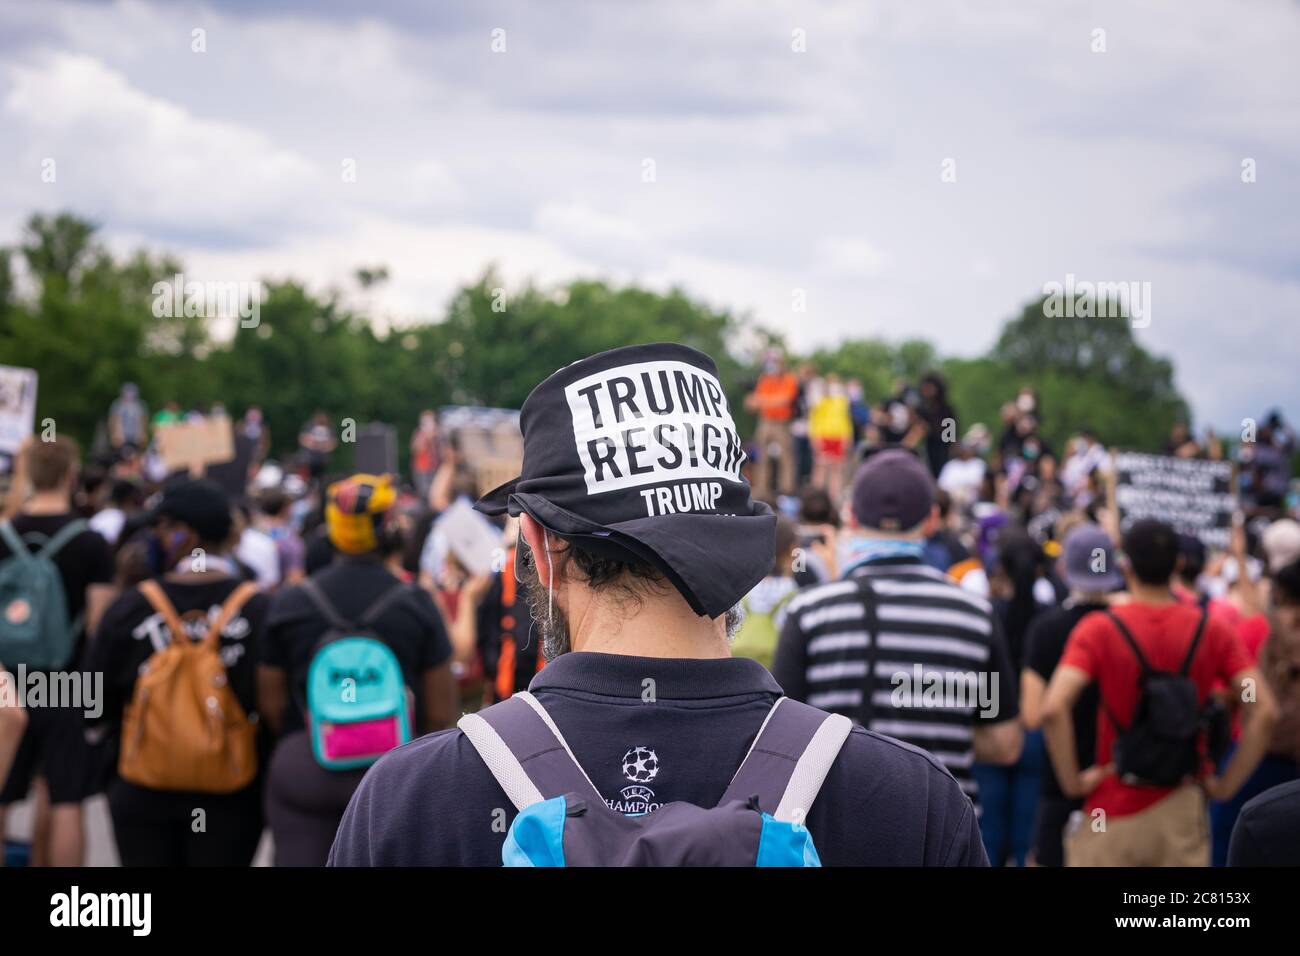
[
  {"x": 377, "y": 449},
  {"x": 232, "y": 475},
  {"x": 1195, "y": 496}
]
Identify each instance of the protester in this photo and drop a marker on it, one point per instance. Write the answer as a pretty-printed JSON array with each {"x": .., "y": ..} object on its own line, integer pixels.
[
  {"x": 273, "y": 520},
  {"x": 631, "y": 610},
  {"x": 356, "y": 594},
  {"x": 255, "y": 550},
  {"x": 939, "y": 419},
  {"x": 1268, "y": 830},
  {"x": 425, "y": 453},
  {"x": 53, "y": 747},
  {"x": 1162, "y": 819},
  {"x": 1009, "y": 793},
  {"x": 124, "y": 500},
  {"x": 830, "y": 428},
  {"x": 773, "y": 400},
  {"x": 864, "y": 646},
  {"x": 764, "y": 606},
  {"x": 13, "y": 722},
  {"x": 1091, "y": 572},
  {"x": 317, "y": 441},
  {"x": 199, "y": 753},
  {"x": 128, "y": 420}
]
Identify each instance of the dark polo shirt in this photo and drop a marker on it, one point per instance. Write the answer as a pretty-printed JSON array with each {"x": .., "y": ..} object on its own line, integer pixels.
[{"x": 650, "y": 731}]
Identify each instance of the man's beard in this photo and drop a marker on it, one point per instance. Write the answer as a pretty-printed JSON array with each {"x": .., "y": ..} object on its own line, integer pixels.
[{"x": 549, "y": 618}]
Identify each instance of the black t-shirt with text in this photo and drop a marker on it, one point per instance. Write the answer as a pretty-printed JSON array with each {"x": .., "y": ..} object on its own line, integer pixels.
[{"x": 412, "y": 627}]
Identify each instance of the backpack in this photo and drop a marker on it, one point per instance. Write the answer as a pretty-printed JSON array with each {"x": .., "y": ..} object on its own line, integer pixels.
[
  {"x": 758, "y": 634},
  {"x": 184, "y": 728},
  {"x": 34, "y": 626},
  {"x": 564, "y": 821},
  {"x": 1160, "y": 745},
  {"x": 358, "y": 707}
]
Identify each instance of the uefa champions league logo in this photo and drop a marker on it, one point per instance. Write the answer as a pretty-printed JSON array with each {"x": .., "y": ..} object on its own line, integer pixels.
[{"x": 640, "y": 765}]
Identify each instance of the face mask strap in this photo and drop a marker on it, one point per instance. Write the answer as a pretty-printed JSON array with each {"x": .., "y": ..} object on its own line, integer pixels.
[{"x": 550, "y": 583}]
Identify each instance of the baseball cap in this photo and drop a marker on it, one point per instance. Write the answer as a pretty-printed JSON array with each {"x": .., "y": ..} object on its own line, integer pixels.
[
  {"x": 892, "y": 491},
  {"x": 633, "y": 454},
  {"x": 1082, "y": 571},
  {"x": 355, "y": 509},
  {"x": 1281, "y": 543},
  {"x": 200, "y": 504}
]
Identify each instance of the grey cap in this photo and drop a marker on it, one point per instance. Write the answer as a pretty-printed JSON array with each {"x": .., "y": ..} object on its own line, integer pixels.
[{"x": 1089, "y": 560}]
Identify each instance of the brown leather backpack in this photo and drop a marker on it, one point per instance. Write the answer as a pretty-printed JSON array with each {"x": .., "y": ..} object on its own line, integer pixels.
[{"x": 184, "y": 729}]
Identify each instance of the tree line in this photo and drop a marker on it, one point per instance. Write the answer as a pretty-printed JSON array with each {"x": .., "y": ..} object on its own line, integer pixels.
[{"x": 84, "y": 319}]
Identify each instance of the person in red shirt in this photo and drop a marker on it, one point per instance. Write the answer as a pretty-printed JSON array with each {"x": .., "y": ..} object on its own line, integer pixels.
[{"x": 1133, "y": 823}]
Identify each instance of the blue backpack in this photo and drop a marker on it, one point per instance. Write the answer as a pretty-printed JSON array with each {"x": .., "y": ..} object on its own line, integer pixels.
[
  {"x": 358, "y": 707},
  {"x": 564, "y": 821},
  {"x": 34, "y": 626}
]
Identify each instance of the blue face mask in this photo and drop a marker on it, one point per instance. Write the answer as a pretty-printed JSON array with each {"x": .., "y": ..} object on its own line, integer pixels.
[{"x": 853, "y": 551}]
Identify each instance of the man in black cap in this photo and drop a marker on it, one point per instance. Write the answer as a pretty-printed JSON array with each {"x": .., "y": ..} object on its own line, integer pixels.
[
  {"x": 638, "y": 538},
  {"x": 897, "y": 645}
]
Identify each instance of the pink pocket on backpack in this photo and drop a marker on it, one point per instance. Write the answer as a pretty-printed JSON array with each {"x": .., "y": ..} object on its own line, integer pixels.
[{"x": 364, "y": 738}]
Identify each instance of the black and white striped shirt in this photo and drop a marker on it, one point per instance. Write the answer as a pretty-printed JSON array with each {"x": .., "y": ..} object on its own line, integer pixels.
[{"x": 941, "y": 662}]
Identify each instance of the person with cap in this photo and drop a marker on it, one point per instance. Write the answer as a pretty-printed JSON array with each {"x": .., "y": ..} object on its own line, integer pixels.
[
  {"x": 197, "y": 587},
  {"x": 1147, "y": 781},
  {"x": 638, "y": 537},
  {"x": 1090, "y": 570},
  {"x": 897, "y": 645},
  {"x": 355, "y": 593}
]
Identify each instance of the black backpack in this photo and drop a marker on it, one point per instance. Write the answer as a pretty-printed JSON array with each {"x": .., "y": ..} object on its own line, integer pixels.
[{"x": 1160, "y": 745}]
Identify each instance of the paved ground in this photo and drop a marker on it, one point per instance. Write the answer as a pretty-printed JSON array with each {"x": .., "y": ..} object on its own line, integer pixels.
[{"x": 100, "y": 850}]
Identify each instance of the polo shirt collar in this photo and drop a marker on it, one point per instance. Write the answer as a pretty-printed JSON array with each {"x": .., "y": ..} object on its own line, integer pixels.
[{"x": 621, "y": 675}]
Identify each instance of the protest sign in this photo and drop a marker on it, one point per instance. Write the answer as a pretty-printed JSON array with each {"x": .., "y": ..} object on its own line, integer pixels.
[
  {"x": 1195, "y": 496},
  {"x": 376, "y": 452},
  {"x": 487, "y": 439},
  {"x": 17, "y": 407},
  {"x": 196, "y": 444},
  {"x": 473, "y": 539},
  {"x": 232, "y": 475}
]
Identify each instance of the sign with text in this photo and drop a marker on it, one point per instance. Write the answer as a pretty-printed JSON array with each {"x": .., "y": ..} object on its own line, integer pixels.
[
  {"x": 1195, "y": 496},
  {"x": 17, "y": 406}
]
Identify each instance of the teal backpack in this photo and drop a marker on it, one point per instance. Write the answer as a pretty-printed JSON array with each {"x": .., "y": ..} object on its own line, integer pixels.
[
  {"x": 34, "y": 626},
  {"x": 358, "y": 707}
]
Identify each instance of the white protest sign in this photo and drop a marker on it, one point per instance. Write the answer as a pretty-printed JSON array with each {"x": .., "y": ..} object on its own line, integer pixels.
[{"x": 17, "y": 407}]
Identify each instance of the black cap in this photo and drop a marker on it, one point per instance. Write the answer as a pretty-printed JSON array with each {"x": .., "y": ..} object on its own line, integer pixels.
[
  {"x": 633, "y": 453},
  {"x": 892, "y": 491},
  {"x": 200, "y": 504}
]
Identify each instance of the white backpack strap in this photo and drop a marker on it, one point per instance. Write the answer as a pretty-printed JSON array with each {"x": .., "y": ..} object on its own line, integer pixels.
[
  {"x": 811, "y": 770},
  {"x": 501, "y": 761},
  {"x": 789, "y": 759},
  {"x": 518, "y": 731}
]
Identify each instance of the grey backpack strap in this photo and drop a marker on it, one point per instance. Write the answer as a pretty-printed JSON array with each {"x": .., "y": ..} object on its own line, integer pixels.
[
  {"x": 61, "y": 537},
  {"x": 324, "y": 605},
  {"x": 789, "y": 759},
  {"x": 17, "y": 546},
  {"x": 525, "y": 752}
]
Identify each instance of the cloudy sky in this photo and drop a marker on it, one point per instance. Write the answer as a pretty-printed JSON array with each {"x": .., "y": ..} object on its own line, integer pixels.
[{"x": 751, "y": 152}]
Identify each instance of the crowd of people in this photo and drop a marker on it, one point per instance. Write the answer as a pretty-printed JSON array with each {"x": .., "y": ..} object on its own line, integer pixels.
[{"x": 1026, "y": 682}]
